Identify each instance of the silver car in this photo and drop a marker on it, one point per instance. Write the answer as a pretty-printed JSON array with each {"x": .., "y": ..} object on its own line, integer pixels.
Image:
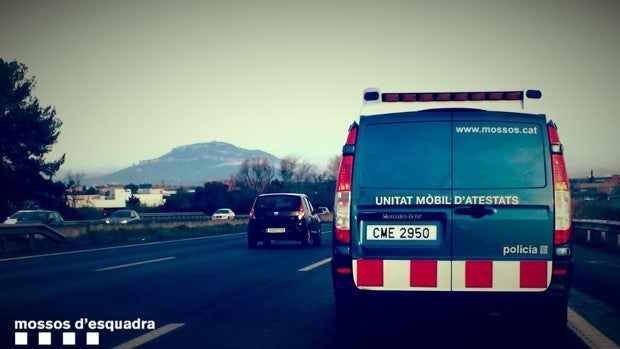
[
  {"x": 123, "y": 217},
  {"x": 47, "y": 217}
]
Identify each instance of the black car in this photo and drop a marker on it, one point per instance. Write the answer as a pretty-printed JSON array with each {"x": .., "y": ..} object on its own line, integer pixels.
[{"x": 283, "y": 216}]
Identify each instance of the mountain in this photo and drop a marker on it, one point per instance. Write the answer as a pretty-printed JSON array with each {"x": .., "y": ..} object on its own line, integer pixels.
[{"x": 186, "y": 165}]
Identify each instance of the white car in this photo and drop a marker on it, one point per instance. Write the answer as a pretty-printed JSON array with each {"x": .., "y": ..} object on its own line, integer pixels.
[
  {"x": 323, "y": 210},
  {"x": 223, "y": 213}
]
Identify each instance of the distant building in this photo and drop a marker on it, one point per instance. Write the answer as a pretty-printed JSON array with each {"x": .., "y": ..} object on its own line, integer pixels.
[
  {"x": 591, "y": 187},
  {"x": 116, "y": 198},
  {"x": 153, "y": 197}
]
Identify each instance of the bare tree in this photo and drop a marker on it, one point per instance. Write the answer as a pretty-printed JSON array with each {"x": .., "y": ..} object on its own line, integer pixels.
[
  {"x": 255, "y": 174},
  {"x": 288, "y": 165},
  {"x": 306, "y": 172},
  {"x": 333, "y": 166},
  {"x": 73, "y": 183}
]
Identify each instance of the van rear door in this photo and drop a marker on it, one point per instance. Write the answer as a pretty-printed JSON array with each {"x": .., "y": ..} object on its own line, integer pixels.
[
  {"x": 502, "y": 218},
  {"x": 398, "y": 242}
]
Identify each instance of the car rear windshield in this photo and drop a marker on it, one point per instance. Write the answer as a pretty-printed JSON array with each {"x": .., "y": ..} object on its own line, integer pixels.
[
  {"x": 277, "y": 203},
  {"x": 31, "y": 216},
  {"x": 451, "y": 155}
]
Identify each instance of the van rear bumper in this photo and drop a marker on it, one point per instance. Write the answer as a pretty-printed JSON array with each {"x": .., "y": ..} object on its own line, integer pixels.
[{"x": 453, "y": 303}]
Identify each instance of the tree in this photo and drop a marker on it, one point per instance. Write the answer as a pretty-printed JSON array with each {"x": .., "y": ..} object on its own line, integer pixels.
[
  {"x": 73, "y": 184},
  {"x": 211, "y": 196},
  {"x": 255, "y": 174},
  {"x": 306, "y": 173},
  {"x": 27, "y": 133},
  {"x": 133, "y": 187},
  {"x": 333, "y": 167},
  {"x": 179, "y": 202},
  {"x": 133, "y": 203},
  {"x": 288, "y": 164}
]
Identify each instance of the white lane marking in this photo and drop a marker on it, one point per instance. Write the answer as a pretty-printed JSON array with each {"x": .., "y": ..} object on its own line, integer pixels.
[
  {"x": 117, "y": 247},
  {"x": 316, "y": 265},
  {"x": 592, "y": 337},
  {"x": 136, "y": 342},
  {"x": 134, "y": 264}
]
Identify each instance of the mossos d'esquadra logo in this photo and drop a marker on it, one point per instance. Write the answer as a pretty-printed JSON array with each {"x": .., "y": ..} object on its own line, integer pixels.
[{"x": 80, "y": 332}]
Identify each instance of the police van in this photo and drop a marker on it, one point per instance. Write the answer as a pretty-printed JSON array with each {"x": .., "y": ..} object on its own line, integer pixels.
[{"x": 460, "y": 198}]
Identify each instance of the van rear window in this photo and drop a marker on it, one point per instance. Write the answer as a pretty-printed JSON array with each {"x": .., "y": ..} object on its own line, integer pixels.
[
  {"x": 446, "y": 155},
  {"x": 498, "y": 155},
  {"x": 405, "y": 155}
]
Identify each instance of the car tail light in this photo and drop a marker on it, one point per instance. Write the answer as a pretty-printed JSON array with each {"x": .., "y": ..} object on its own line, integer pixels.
[
  {"x": 561, "y": 188},
  {"x": 252, "y": 214},
  {"x": 301, "y": 213},
  {"x": 342, "y": 202}
]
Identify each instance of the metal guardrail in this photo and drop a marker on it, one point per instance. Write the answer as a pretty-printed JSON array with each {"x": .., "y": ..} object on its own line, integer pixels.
[
  {"x": 597, "y": 232},
  {"x": 149, "y": 217},
  {"x": 173, "y": 216},
  {"x": 178, "y": 216},
  {"x": 36, "y": 228}
]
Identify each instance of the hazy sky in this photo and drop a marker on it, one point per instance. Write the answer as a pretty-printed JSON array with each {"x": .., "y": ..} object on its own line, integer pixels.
[{"x": 133, "y": 79}]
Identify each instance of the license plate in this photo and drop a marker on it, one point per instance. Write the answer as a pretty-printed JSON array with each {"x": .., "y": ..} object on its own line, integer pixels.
[
  {"x": 276, "y": 230},
  {"x": 426, "y": 232}
]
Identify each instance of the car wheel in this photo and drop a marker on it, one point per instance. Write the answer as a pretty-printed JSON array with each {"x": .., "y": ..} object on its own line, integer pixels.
[
  {"x": 316, "y": 241},
  {"x": 308, "y": 238},
  {"x": 252, "y": 243}
]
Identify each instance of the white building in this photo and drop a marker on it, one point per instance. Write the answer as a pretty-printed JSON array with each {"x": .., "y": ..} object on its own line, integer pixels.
[
  {"x": 117, "y": 198},
  {"x": 152, "y": 197}
]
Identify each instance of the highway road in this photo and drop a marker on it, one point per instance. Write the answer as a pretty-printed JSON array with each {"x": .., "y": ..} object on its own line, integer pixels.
[{"x": 214, "y": 292}]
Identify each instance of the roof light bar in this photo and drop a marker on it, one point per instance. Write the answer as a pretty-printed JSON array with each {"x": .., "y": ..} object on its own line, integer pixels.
[{"x": 452, "y": 96}]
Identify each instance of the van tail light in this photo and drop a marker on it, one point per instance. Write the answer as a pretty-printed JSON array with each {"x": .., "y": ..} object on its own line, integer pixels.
[
  {"x": 342, "y": 202},
  {"x": 561, "y": 189}
]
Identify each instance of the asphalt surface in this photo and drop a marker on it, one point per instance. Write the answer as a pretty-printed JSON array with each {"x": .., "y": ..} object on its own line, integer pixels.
[{"x": 216, "y": 293}]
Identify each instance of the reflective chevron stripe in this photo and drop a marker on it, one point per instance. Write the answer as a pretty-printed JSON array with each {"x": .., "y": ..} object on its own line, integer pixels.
[{"x": 432, "y": 275}]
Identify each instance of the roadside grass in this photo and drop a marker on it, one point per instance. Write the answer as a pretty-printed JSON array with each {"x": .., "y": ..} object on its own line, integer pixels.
[{"x": 11, "y": 246}]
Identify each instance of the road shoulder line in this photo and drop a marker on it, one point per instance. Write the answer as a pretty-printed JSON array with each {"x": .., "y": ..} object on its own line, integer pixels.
[
  {"x": 592, "y": 337},
  {"x": 134, "y": 264}
]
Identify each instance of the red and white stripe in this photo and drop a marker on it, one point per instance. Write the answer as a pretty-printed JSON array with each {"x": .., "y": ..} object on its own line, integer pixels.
[{"x": 433, "y": 275}]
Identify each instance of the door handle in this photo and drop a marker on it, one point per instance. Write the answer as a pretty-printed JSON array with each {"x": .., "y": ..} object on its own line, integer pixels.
[{"x": 475, "y": 211}]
